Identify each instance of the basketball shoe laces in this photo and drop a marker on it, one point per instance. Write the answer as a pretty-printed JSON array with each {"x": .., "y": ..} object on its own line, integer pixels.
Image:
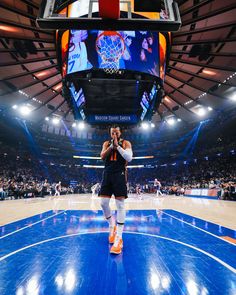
[{"x": 117, "y": 240}]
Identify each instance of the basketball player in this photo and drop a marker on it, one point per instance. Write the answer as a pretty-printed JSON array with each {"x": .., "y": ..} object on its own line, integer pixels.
[
  {"x": 78, "y": 58},
  {"x": 116, "y": 153},
  {"x": 157, "y": 185},
  {"x": 58, "y": 189},
  {"x": 94, "y": 189},
  {"x": 138, "y": 191}
]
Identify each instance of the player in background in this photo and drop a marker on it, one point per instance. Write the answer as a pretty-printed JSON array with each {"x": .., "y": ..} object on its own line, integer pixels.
[
  {"x": 95, "y": 189},
  {"x": 157, "y": 186},
  {"x": 58, "y": 189}
]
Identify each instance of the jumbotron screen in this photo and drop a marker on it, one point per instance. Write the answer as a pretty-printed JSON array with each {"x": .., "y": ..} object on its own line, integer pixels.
[{"x": 139, "y": 51}]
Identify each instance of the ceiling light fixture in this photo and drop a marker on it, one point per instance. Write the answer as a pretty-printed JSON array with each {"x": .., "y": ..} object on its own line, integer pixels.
[
  {"x": 25, "y": 110},
  {"x": 55, "y": 121},
  {"x": 201, "y": 112},
  {"x": 145, "y": 125},
  {"x": 233, "y": 97},
  {"x": 171, "y": 121},
  {"x": 81, "y": 125},
  {"x": 211, "y": 73},
  {"x": 8, "y": 29}
]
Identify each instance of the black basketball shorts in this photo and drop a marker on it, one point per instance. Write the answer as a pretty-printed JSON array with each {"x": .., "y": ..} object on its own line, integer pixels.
[{"x": 114, "y": 183}]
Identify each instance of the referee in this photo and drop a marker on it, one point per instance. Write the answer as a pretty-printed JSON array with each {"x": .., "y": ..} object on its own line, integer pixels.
[{"x": 116, "y": 153}]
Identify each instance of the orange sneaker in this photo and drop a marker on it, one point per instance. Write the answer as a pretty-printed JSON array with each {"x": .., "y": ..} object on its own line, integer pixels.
[
  {"x": 117, "y": 246},
  {"x": 112, "y": 235}
]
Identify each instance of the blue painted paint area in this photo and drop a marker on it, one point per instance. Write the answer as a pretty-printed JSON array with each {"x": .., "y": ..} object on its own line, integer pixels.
[
  {"x": 213, "y": 228},
  {"x": 13, "y": 226},
  {"x": 191, "y": 235},
  {"x": 81, "y": 264}
]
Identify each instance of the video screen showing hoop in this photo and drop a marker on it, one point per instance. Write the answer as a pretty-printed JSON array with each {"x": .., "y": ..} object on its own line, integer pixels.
[
  {"x": 112, "y": 51},
  {"x": 112, "y": 71}
]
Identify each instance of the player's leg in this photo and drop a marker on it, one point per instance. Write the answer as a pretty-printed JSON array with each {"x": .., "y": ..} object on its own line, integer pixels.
[
  {"x": 140, "y": 194},
  {"x": 120, "y": 192},
  {"x": 93, "y": 193},
  {"x": 105, "y": 204},
  {"x": 105, "y": 194},
  {"x": 121, "y": 213}
]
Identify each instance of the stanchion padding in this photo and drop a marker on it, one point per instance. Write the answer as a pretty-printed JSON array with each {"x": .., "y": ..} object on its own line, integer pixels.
[{"x": 109, "y": 9}]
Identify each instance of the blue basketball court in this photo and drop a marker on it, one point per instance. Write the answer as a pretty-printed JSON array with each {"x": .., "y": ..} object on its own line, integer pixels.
[{"x": 165, "y": 252}]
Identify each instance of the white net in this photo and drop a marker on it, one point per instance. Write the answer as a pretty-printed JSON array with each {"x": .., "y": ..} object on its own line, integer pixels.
[{"x": 110, "y": 46}]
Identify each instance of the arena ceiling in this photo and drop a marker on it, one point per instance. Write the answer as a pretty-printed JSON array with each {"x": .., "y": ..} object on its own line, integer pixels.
[{"x": 201, "y": 73}]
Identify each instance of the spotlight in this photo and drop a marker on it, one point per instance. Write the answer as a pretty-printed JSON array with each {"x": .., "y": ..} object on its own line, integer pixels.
[
  {"x": 171, "y": 121},
  {"x": 211, "y": 73},
  {"x": 46, "y": 119},
  {"x": 81, "y": 125},
  {"x": 25, "y": 110},
  {"x": 201, "y": 112},
  {"x": 233, "y": 97},
  {"x": 15, "y": 106},
  {"x": 55, "y": 121},
  {"x": 74, "y": 125},
  {"x": 179, "y": 120},
  {"x": 152, "y": 125},
  {"x": 209, "y": 109},
  {"x": 145, "y": 125}
]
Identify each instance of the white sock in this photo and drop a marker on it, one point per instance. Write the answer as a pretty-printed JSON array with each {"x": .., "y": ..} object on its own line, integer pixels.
[
  {"x": 107, "y": 213},
  {"x": 120, "y": 204},
  {"x": 119, "y": 231},
  {"x": 111, "y": 221},
  {"x": 106, "y": 207}
]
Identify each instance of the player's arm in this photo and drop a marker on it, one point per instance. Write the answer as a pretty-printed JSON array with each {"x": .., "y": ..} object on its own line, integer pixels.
[
  {"x": 127, "y": 152},
  {"x": 106, "y": 150}
]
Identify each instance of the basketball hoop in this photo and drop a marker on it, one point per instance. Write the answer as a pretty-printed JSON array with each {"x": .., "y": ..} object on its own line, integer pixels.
[{"x": 110, "y": 45}]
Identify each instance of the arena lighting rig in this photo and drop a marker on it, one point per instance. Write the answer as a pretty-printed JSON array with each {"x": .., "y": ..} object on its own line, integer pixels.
[
  {"x": 99, "y": 158},
  {"x": 101, "y": 167}
]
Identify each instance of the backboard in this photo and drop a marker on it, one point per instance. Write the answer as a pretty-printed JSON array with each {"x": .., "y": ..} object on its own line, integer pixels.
[{"x": 151, "y": 15}]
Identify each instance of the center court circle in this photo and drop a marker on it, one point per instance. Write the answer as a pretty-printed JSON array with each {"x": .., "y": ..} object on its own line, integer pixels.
[{"x": 82, "y": 264}]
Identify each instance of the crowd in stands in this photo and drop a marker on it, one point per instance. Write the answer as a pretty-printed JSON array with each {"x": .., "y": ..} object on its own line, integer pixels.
[{"x": 24, "y": 177}]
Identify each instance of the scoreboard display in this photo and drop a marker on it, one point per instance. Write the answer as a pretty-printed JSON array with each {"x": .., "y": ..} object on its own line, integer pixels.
[
  {"x": 90, "y": 58},
  {"x": 111, "y": 76},
  {"x": 141, "y": 51}
]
